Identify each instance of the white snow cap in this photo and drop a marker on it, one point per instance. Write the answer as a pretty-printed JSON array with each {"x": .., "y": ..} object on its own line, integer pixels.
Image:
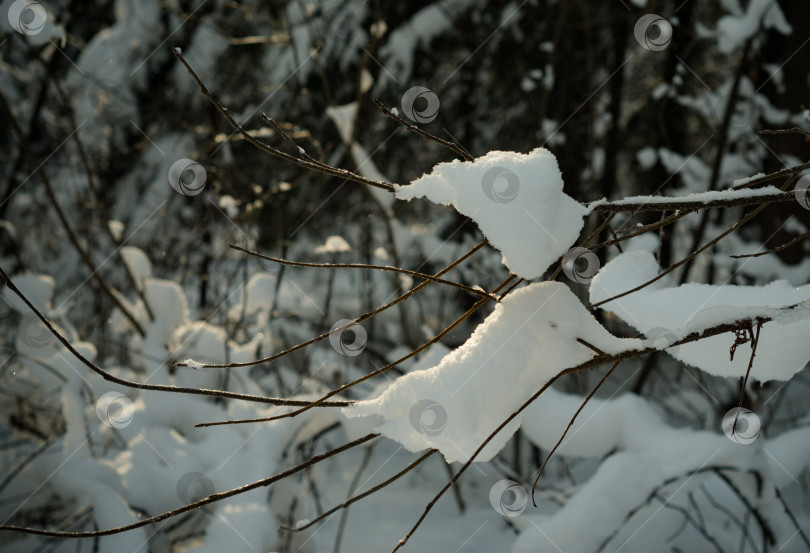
[
  {"x": 529, "y": 338},
  {"x": 334, "y": 244},
  {"x": 516, "y": 199},
  {"x": 675, "y": 311}
]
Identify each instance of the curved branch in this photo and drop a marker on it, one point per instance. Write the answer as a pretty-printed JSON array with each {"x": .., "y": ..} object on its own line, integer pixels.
[
  {"x": 372, "y": 374},
  {"x": 191, "y": 506},
  {"x": 359, "y": 319},
  {"x": 416, "y": 274},
  {"x": 356, "y": 498},
  {"x": 300, "y": 161},
  {"x": 157, "y": 387},
  {"x": 593, "y": 362}
]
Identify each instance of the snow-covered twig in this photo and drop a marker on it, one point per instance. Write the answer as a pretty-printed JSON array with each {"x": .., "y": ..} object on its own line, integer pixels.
[
  {"x": 593, "y": 362},
  {"x": 702, "y": 200},
  {"x": 697, "y": 252}
]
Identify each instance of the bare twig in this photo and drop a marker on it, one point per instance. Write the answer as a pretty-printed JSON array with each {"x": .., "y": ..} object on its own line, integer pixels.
[
  {"x": 372, "y": 374},
  {"x": 776, "y": 249},
  {"x": 417, "y": 274},
  {"x": 792, "y": 130},
  {"x": 156, "y": 387},
  {"x": 305, "y": 163},
  {"x": 359, "y": 319},
  {"x": 754, "y": 338},
  {"x": 452, "y": 146},
  {"x": 213, "y": 498},
  {"x": 356, "y": 498},
  {"x": 570, "y": 424}
]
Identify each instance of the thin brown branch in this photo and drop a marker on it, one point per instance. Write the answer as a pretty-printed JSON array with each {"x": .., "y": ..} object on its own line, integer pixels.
[
  {"x": 356, "y": 498},
  {"x": 425, "y": 276},
  {"x": 306, "y": 164},
  {"x": 792, "y": 130},
  {"x": 776, "y": 249},
  {"x": 299, "y": 149},
  {"x": 156, "y": 387},
  {"x": 213, "y": 498},
  {"x": 450, "y": 145},
  {"x": 570, "y": 424},
  {"x": 754, "y": 338},
  {"x": 477, "y": 305},
  {"x": 359, "y": 319}
]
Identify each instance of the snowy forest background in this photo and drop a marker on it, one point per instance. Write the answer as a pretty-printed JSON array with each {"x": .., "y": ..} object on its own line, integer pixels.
[{"x": 122, "y": 188}]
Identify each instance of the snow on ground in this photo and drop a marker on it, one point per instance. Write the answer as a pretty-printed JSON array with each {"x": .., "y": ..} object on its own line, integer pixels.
[
  {"x": 664, "y": 309},
  {"x": 453, "y": 406},
  {"x": 641, "y": 449},
  {"x": 516, "y": 199}
]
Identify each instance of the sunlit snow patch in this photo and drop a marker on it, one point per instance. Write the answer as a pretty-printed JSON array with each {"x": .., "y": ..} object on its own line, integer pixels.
[
  {"x": 783, "y": 347},
  {"x": 530, "y": 337},
  {"x": 516, "y": 199}
]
